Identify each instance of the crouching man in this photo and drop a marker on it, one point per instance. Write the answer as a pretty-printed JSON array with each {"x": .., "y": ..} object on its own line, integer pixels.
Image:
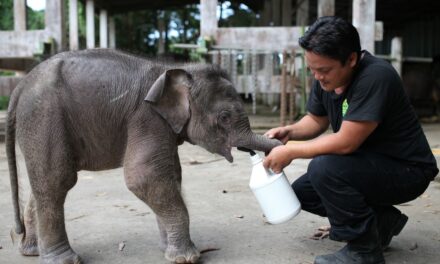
[{"x": 378, "y": 155}]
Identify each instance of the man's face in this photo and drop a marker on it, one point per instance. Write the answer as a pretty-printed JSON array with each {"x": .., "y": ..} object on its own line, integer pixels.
[{"x": 330, "y": 73}]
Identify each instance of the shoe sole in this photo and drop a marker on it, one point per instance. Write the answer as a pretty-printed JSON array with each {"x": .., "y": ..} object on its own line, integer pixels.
[{"x": 401, "y": 222}]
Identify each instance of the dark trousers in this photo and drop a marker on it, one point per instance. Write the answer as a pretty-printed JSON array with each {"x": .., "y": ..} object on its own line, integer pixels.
[{"x": 351, "y": 189}]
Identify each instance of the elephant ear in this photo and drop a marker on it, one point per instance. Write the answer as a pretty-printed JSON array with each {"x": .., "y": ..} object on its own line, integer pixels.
[{"x": 169, "y": 97}]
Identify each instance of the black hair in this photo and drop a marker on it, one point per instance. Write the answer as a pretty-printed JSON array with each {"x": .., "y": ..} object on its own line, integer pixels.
[{"x": 332, "y": 37}]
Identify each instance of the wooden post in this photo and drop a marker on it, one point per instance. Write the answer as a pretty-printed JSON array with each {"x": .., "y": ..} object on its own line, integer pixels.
[
  {"x": 208, "y": 14},
  {"x": 304, "y": 85},
  {"x": 302, "y": 12},
  {"x": 73, "y": 25},
  {"x": 292, "y": 90},
  {"x": 112, "y": 32},
  {"x": 234, "y": 61},
  {"x": 19, "y": 15},
  {"x": 364, "y": 16},
  {"x": 254, "y": 78},
  {"x": 283, "y": 105},
  {"x": 396, "y": 54},
  {"x": 90, "y": 24},
  {"x": 103, "y": 29},
  {"x": 246, "y": 83},
  {"x": 326, "y": 8},
  {"x": 268, "y": 73},
  {"x": 161, "y": 27},
  {"x": 55, "y": 26}
]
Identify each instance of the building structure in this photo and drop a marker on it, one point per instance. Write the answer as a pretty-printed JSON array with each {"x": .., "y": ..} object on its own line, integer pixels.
[{"x": 404, "y": 32}]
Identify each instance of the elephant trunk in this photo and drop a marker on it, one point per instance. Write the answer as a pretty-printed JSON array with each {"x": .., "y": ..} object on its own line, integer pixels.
[{"x": 258, "y": 142}]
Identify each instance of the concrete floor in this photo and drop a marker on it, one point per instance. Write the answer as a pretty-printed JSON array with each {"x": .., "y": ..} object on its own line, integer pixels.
[{"x": 101, "y": 213}]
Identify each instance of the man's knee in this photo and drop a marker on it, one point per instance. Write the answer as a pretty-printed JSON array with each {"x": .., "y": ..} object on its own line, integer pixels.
[
  {"x": 310, "y": 201},
  {"x": 301, "y": 185},
  {"x": 323, "y": 170}
]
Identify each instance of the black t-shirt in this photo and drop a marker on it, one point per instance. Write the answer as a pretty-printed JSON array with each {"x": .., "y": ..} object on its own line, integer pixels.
[{"x": 376, "y": 94}]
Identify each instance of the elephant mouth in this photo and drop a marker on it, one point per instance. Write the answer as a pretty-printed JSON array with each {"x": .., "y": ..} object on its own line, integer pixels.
[{"x": 226, "y": 152}]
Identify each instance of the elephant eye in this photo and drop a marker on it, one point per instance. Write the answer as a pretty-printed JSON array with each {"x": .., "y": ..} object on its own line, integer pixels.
[{"x": 224, "y": 118}]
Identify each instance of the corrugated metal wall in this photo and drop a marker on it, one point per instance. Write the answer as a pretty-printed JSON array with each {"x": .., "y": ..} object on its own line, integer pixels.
[{"x": 421, "y": 38}]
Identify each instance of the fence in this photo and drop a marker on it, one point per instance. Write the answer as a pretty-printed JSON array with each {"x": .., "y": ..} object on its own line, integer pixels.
[{"x": 274, "y": 78}]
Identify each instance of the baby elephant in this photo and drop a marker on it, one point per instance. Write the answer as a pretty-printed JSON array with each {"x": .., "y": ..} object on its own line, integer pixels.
[{"x": 103, "y": 109}]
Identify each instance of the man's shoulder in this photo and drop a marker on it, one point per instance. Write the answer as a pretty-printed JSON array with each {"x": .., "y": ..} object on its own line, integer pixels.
[{"x": 371, "y": 64}]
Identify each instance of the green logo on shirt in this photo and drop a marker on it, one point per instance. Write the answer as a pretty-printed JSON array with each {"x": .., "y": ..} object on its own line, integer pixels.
[{"x": 344, "y": 107}]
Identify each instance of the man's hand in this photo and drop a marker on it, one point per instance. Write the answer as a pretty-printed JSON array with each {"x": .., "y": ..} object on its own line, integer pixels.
[
  {"x": 280, "y": 133},
  {"x": 278, "y": 158}
]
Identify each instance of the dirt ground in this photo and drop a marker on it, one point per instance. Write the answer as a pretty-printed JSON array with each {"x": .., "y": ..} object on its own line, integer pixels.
[{"x": 102, "y": 215}]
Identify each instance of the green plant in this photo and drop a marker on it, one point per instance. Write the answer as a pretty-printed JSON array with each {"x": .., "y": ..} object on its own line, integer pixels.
[
  {"x": 7, "y": 73},
  {"x": 4, "y": 101}
]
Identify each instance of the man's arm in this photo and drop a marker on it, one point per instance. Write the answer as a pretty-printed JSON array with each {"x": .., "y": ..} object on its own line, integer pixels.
[
  {"x": 310, "y": 126},
  {"x": 348, "y": 139}
]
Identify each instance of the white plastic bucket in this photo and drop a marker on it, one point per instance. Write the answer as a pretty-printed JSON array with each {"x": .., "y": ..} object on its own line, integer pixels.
[{"x": 274, "y": 193}]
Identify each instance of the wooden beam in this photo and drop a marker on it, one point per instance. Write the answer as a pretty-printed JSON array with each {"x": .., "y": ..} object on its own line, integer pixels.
[
  {"x": 260, "y": 38},
  {"x": 283, "y": 95},
  {"x": 14, "y": 64}
]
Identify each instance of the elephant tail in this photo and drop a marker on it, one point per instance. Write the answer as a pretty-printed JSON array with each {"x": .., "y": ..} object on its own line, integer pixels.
[{"x": 12, "y": 161}]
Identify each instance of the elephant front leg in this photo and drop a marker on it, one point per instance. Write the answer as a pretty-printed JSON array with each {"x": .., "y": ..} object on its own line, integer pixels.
[
  {"x": 160, "y": 192},
  {"x": 163, "y": 244},
  {"x": 162, "y": 230},
  {"x": 179, "y": 248}
]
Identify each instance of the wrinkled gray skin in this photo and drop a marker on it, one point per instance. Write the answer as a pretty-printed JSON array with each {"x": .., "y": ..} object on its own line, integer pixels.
[{"x": 103, "y": 109}]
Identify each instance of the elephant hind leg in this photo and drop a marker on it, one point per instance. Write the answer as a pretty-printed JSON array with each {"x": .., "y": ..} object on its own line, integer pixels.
[
  {"x": 28, "y": 245},
  {"x": 51, "y": 178},
  {"x": 53, "y": 242}
]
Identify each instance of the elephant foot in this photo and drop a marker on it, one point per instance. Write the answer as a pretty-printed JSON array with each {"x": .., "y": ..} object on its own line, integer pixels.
[
  {"x": 29, "y": 246},
  {"x": 60, "y": 254},
  {"x": 189, "y": 254}
]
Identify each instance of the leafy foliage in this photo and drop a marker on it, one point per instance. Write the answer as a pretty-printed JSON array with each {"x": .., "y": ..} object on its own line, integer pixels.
[
  {"x": 138, "y": 31},
  {"x": 4, "y": 101},
  {"x": 35, "y": 19},
  {"x": 6, "y": 15},
  {"x": 241, "y": 16}
]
